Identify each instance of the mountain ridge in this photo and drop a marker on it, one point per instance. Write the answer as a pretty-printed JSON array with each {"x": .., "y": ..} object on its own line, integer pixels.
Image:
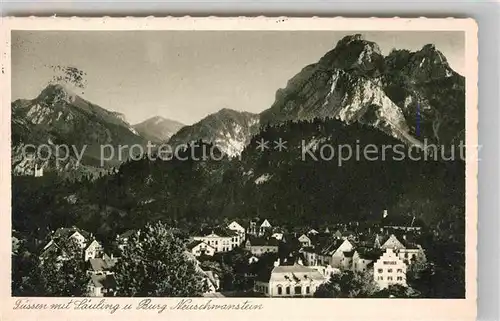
[{"x": 158, "y": 129}]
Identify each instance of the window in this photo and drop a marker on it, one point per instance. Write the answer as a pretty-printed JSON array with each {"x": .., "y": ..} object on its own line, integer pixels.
[
  {"x": 399, "y": 278},
  {"x": 400, "y": 270},
  {"x": 380, "y": 278},
  {"x": 287, "y": 290},
  {"x": 380, "y": 270},
  {"x": 308, "y": 290},
  {"x": 298, "y": 290},
  {"x": 389, "y": 271},
  {"x": 280, "y": 290},
  {"x": 389, "y": 278}
]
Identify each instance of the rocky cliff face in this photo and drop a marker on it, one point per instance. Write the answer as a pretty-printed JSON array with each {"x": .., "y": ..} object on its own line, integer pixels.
[
  {"x": 58, "y": 116},
  {"x": 228, "y": 129},
  {"x": 354, "y": 82}
]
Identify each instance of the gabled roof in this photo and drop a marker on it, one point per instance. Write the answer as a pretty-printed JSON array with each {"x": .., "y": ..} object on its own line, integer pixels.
[
  {"x": 193, "y": 244},
  {"x": 90, "y": 243},
  {"x": 65, "y": 232},
  {"x": 331, "y": 247},
  {"x": 367, "y": 253},
  {"x": 235, "y": 222},
  {"x": 259, "y": 221}
]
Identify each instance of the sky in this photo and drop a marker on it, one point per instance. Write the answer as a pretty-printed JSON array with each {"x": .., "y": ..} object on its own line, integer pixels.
[{"x": 187, "y": 75}]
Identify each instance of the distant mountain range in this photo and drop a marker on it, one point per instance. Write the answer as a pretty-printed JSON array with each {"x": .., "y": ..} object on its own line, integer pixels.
[
  {"x": 158, "y": 129},
  {"x": 410, "y": 96}
]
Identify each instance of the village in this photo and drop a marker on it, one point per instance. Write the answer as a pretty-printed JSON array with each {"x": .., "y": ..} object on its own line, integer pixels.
[{"x": 278, "y": 263}]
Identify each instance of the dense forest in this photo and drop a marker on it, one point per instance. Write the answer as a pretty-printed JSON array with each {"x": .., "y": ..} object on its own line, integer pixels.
[{"x": 286, "y": 187}]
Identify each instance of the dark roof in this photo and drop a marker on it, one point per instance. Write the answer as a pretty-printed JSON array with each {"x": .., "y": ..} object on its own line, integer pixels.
[
  {"x": 349, "y": 254},
  {"x": 220, "y": 231},
  {"x": 408, "y": 243},
  {"x": 260, "y": 241},
  {"x": 192, "y": 244},
  {"x": 330, "y": 247},
  {"x": 65, "y": 232},
  {"x": 308, "y": 249},
  {"x": 367, "y": 253}
]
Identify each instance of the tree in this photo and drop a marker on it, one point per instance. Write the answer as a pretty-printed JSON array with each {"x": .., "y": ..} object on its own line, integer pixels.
[
  {"x": 26, "y": 278},
  {"x": 396, "y": 291},
  {"x": 154, "y": 264},
  {"x": 347, "y": 284},
  {"x": 330, "y": 289},
  {"x": 63, "y": 271}
]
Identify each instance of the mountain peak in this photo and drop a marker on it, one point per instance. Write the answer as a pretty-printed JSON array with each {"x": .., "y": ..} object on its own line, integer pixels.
[
  {"x": 353, "y": 52},
  {"x": 56, "y": 93},
  {"x": 429, "y": 47},
  {"x": 350, "y": 38},
  {"x": 228, "y": 129},
  {"x": 428, "y": 63},
  {"x": 158, "y": 128}
]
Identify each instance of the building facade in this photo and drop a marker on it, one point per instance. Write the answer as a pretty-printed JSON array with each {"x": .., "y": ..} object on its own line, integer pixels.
[
  {"x": 389, "y": 269},
  {"x": 290, "y": 281}
]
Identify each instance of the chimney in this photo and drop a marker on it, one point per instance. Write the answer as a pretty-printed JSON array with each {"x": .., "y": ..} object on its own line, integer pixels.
[
  {"x": 385, "y": 213},
  {"x": 277, "y": 262}
]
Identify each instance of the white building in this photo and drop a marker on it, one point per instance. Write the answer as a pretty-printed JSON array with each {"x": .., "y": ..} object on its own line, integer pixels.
[
  {"x": 222, "y": 240},
  {"x": 406, "y": 251},
  {"x": 236, "y": 227},
  {"x": 93, "y": 250},
  {"x": 259, "y": 227},
  {"x": 63, "y": 236},
  {"x": 389, "y": 269},
  {"x": 278, "y": 235},
  {"x": 198, "y": 248},
  {"x": 38, "y": 171},
  {"x": 338, "y": 254},
  {"x": 305, "y": 241},
  {"x": 289, "y": 281}
]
